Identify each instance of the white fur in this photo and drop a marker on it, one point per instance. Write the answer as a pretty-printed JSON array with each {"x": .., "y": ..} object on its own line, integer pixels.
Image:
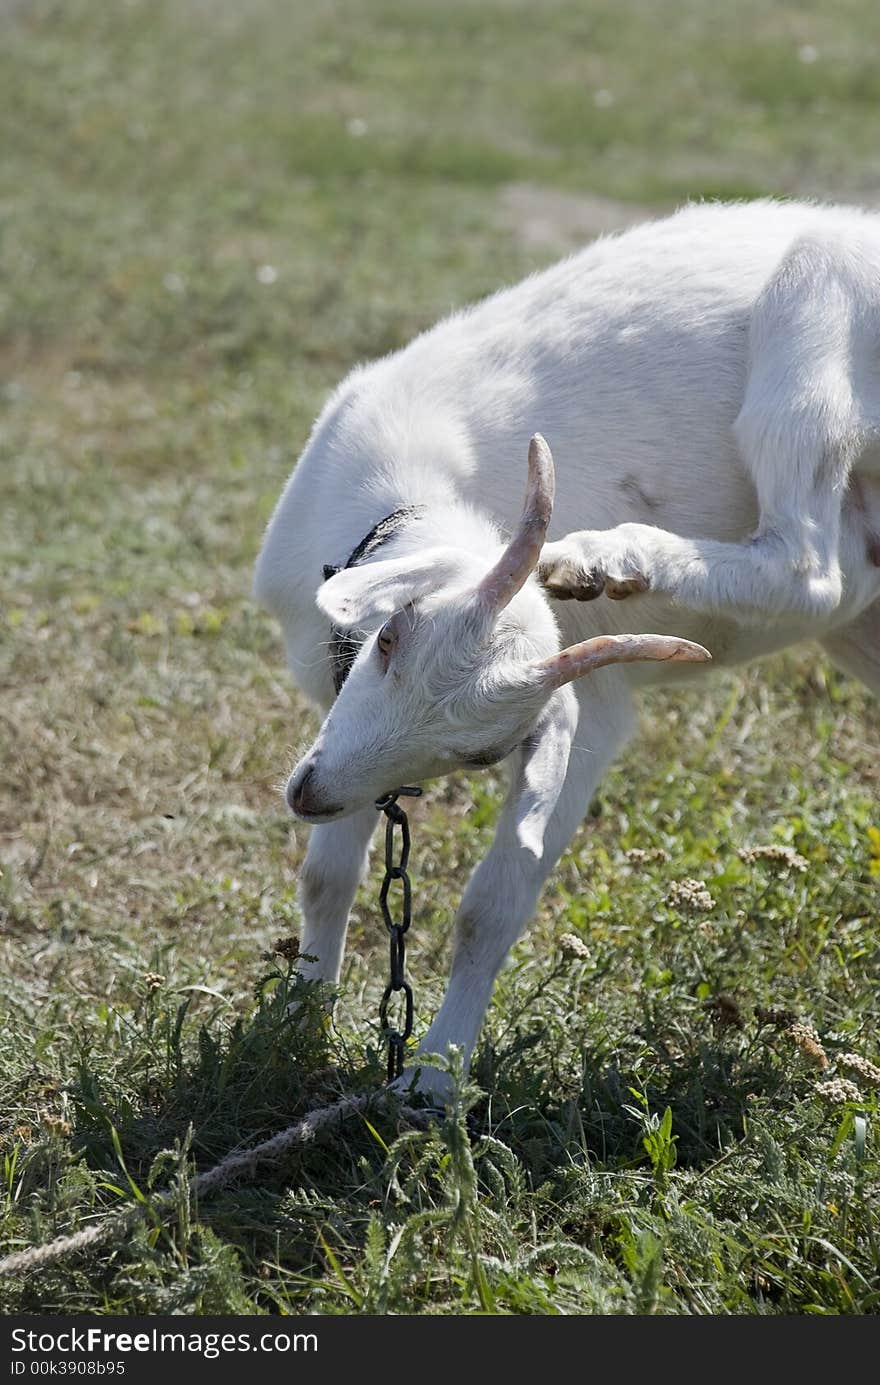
[{"x": 710, "y": 388}]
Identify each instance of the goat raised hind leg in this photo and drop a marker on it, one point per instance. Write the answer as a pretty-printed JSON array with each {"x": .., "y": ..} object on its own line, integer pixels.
[{"x": 798, "y": 433}]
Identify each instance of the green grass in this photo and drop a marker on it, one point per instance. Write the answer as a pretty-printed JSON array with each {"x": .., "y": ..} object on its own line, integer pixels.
[{"x": 155, "y": 394}]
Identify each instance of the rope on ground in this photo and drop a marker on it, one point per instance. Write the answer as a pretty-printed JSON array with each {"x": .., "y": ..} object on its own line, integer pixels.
[{"x": 237, "y": 1163}]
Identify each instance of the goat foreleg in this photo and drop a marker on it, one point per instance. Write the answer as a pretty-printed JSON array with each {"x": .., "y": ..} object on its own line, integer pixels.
[
  {"x": 503, "y": 891},
  {"x": 335, "y": 862}
]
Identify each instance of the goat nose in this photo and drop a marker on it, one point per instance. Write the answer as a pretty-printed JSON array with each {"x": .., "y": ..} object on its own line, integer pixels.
[{"x": 300, "y": 796}]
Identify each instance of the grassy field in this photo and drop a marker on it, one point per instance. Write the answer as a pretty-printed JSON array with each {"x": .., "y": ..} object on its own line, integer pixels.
[{"x": 208, "y": 213}]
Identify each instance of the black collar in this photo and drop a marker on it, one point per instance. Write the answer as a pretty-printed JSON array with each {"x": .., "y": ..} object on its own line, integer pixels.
[{"x": 343, "y": 645}]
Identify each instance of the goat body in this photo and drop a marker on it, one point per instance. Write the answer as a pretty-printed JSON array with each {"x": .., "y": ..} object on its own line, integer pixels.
[{"x": 710, "y": 387}]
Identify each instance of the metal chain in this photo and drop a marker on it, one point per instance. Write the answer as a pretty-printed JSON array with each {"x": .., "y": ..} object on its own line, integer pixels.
[{"x": 395, "y": 1038}]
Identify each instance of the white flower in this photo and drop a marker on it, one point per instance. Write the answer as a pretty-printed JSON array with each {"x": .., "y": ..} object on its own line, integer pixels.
[
  {"x": 838, "y": 1090},
  {"x": 267, "y": 274},
  {"x": 573, "y": 948},
  {"x": 690, "y": 894},
  {"x": 784, "y": 856},
  {"x": 869, "y": 1072},
  {"x": 356, "y": 127}
]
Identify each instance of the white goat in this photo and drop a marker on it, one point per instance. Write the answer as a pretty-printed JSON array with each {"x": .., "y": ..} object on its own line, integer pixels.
[{"x": 710, "y": 385}]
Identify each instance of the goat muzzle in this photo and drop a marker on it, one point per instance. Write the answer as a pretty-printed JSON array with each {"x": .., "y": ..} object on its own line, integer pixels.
[{"x": 303, "y": 798}]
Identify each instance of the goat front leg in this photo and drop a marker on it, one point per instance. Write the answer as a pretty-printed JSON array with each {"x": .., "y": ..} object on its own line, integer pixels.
[
  {"x": 503, "y": 891},
  {"x": 335, "y": 863}
]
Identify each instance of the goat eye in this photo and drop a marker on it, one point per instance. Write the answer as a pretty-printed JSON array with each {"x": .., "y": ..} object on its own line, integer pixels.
[{"x": 385, "y": 642}]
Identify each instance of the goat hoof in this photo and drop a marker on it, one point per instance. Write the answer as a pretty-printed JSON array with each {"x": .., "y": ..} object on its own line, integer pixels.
[
  {"x": 598, "y": 564},
  {"x": 619, "y": 588},
  {"x": 586, "y": 585},
  {"x": 577, "y": 591},
  {"x": 564, "y": 583},
  {"x": 432, "y": 1085}
]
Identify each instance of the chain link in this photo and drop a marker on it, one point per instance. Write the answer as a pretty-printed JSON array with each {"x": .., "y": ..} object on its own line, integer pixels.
[{"x": 396, "y": 819}]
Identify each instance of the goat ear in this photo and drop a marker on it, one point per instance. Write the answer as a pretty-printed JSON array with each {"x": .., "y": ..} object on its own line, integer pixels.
[
  {"x": 542, "y": 770},
  {"x": 359, "y": 596}
]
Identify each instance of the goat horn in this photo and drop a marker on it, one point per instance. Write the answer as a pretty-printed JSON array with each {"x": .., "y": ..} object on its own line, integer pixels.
[
  {"x": 583, "y": 658},
  {"x": 520, "y": 557}
]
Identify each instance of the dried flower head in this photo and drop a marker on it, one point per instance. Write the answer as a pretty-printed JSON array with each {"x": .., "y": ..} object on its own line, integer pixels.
[
  {"x": 725, "y": 1012},
  {"x": 838, "y": 1090},
  {"x": 690, "y": 894},
  {"x": 644, "y": 856},
  {"x": 56, "y": 1126},
  {"x": 868, "y": 1072},
  {"x": 783, "y": 856},
  {"x": 780, "y": 1019},
  {"x": 806, "y": 1040},
  {"x": 153, "y": 980},
  {"x": 573, "y": 948},
  {"x": 288, "y": 948}
]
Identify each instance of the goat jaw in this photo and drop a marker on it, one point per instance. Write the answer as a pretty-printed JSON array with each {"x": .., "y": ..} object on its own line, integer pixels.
[
  {"x": 520, "y": 558},
  {"x": 583, "y": 658}
]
